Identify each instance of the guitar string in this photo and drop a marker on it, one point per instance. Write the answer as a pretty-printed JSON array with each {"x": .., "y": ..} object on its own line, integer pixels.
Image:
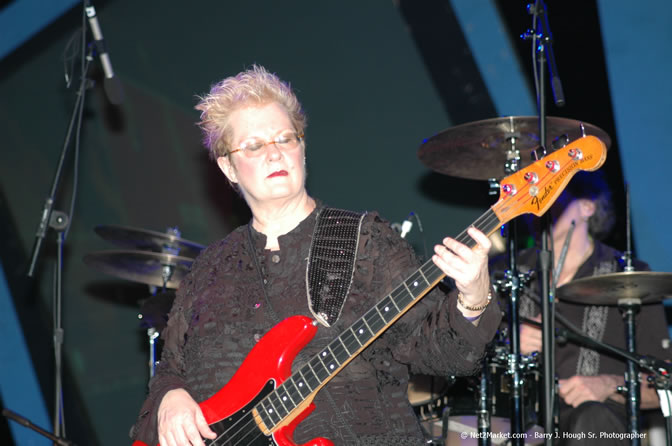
[{"x": 242, "y": 429}]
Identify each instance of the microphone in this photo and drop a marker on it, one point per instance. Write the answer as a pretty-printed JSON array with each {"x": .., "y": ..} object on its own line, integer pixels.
[
  {"x": 406, "y": 225},
  {"x": 111, "y": 84}
]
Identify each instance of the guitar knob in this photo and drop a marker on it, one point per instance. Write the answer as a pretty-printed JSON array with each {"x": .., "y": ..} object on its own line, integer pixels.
[
  {"x": 509, "y": 189},
  {"x": 531, "y": 177},
  {"x": 575, "y": 154},
  {"x": 553, "y": 166}
]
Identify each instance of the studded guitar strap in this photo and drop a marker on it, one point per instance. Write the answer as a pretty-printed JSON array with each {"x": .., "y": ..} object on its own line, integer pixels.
[{"x": 331, "y": 262}]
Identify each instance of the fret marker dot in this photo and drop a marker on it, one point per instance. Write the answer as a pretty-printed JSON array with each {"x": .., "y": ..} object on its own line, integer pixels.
[
  {"x": 387, "y": 308},
  {"x": 284, "y": 398},
  {"x": 300, "y": 384},
  {"x": 270, "y": 410},
  {"x": 324, "y": 353},
  {"x": 415, "y": 283},
  {"x": 361, "y": 330},
  {"x": 331, "y": 366}
]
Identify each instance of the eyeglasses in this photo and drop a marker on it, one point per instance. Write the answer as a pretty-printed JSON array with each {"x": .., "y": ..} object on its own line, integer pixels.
[{"x": 252, "y": 148}]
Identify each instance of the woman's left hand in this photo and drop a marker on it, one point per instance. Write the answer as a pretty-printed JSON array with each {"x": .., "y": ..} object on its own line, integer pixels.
[{"x": 467, "y": 266}]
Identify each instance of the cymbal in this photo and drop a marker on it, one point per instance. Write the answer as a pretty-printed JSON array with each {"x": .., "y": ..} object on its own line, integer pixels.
[
  {"x": 487, "y": 149},
  {"x": 146, "y": 240},
  {"x": 154, "y": 310},
  {"x": 141, "y": 266},
  {"x": 608, "y": 289}
]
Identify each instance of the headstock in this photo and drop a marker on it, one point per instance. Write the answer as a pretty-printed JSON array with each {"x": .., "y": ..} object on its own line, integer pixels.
[{"x": 535, "y": 188}]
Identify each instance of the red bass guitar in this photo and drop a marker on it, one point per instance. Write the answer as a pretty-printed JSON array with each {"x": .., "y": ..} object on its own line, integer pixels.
[{"x": 264, "y": 401}]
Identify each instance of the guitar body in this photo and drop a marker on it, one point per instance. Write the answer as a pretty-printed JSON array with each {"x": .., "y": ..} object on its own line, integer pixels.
[{"x": 229, "y": 411}]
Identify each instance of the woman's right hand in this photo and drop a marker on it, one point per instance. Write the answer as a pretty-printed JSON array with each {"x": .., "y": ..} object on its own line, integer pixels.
[{"x": 181, "y": 421}]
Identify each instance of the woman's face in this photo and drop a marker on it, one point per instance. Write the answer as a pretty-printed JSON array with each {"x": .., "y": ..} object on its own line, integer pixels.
[{"x": 272, "y": 173}]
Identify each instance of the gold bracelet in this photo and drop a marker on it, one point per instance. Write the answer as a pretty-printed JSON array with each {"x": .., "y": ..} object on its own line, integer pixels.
[{"x": 460, "y": 296}]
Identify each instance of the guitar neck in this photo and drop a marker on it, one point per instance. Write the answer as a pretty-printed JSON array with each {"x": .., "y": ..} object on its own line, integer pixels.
[{"x": 311, "y": 377}]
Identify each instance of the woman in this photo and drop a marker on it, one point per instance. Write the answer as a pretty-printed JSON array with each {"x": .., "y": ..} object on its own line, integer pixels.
[{"x": 242, "y": 286}]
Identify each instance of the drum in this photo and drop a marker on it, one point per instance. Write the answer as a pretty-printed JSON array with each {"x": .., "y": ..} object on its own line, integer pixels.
[
  {"x": 501, "y": 391},
  {"x": 427, "y": 394},
  {"x": 457, "y": 400}
]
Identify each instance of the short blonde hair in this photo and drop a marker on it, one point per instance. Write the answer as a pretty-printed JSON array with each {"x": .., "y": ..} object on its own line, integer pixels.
[{"x": 255, "y": 86}]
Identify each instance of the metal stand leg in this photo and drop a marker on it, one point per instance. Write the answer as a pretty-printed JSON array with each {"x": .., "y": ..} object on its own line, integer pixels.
[
  {"x": 629, "y": 308},
  {"x": 484, "y": 425},
  {"x": 152, "y": 334},
  {"x": 59, "y": 221},
  {"x": 514, "y": 365}
]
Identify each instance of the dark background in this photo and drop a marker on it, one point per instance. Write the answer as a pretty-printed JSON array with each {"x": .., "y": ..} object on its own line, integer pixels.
[{"x": 376, "y": 78}]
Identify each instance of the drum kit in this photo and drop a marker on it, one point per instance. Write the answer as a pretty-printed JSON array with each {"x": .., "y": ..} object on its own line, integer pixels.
[
  {"x": 490, "y": 150},
  {"x": 160, "y": 260}
]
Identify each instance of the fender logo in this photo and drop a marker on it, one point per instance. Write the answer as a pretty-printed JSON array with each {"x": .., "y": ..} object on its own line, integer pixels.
[{"x": 539, "y": 199}]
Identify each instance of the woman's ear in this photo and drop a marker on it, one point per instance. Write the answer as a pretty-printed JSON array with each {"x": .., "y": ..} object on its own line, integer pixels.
[{"x": 225, "y": 165}]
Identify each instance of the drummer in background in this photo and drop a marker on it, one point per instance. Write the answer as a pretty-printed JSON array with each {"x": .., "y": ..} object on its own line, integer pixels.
[
  {"x": 242, "y": 286},
  {"x": 588, "y": 380}
]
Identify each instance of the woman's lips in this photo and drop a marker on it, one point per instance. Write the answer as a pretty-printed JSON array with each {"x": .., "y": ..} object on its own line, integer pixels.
[{"x": 278, "y": 173}]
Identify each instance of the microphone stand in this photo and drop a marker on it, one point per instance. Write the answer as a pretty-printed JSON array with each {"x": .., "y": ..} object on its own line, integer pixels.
[
  {"x": 24, "y": 422},
  {"x": 545, "y": 265},
  {"x": 47, "y": 210},
  {"x": 541, "y": 42},
  {"x": 59, "y": 221}
]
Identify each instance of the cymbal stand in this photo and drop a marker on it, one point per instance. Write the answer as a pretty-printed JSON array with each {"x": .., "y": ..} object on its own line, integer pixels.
[
  {"x": 484, "y": 420},
  {"x": 167, "y": 271},
  {"x": 629, "y": 307},
  {"x": 514, "y": 363},
  {"x": 152, "y": 334},
  {"x": 512, "y": 282},
  {"x": 166, "y": 275}
]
